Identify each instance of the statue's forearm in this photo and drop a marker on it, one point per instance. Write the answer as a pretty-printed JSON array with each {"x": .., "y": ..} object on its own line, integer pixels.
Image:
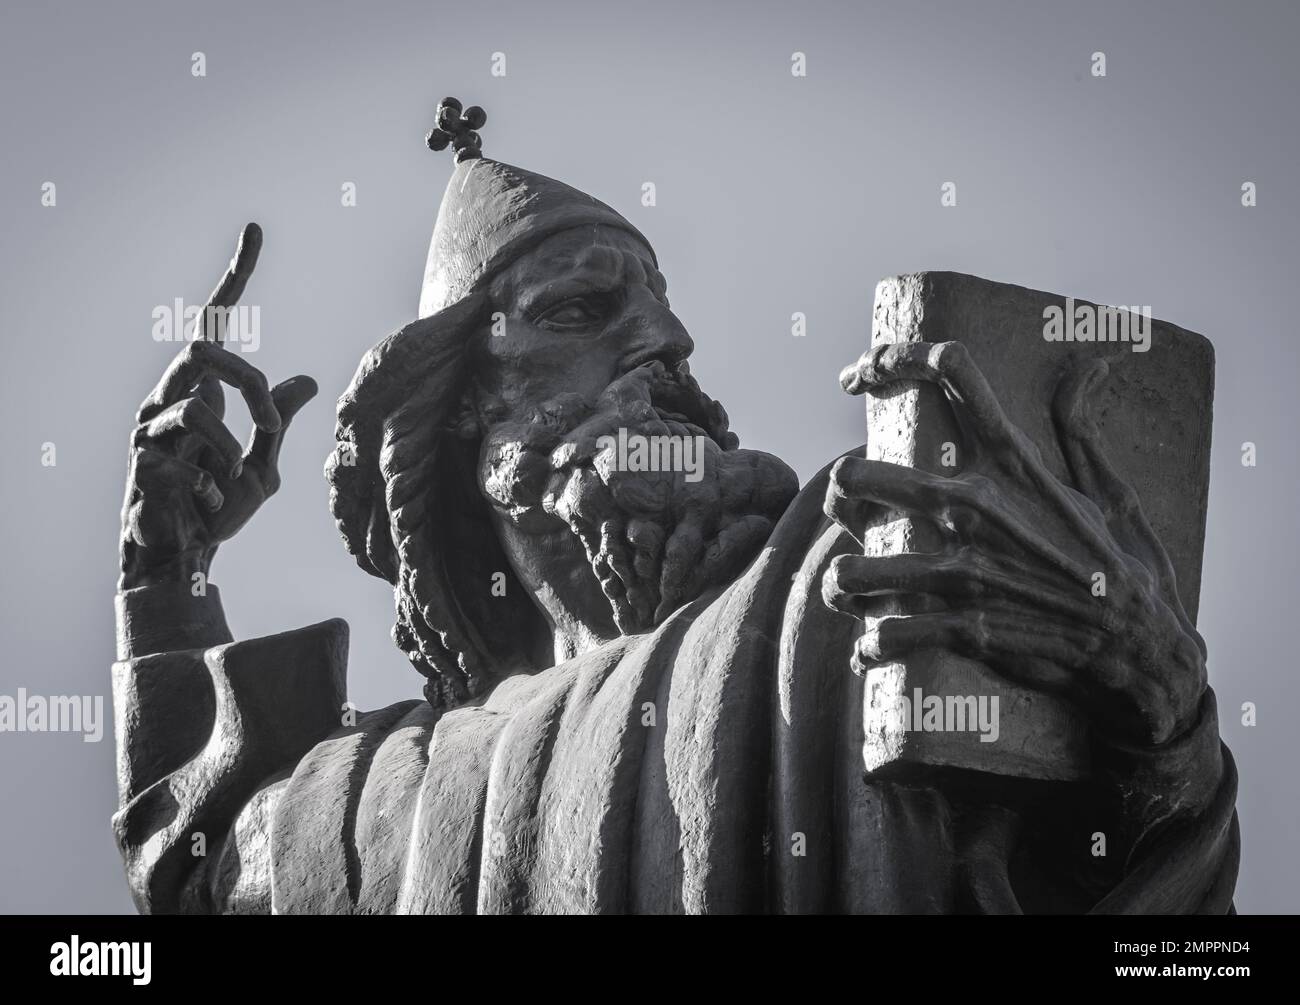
[
  {"x": 1179, "y": 830},
  {"x": 168, "y": 617},
  {"x": 1159, "y": 787},
  {"x": 162, "y": 692}
]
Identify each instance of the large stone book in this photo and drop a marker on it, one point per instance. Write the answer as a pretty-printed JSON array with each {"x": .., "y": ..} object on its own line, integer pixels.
[{"x": 1154, "y": 411}]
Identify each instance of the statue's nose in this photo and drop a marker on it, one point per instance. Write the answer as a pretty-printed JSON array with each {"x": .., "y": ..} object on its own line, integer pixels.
[{"x": 656, "y": 334}]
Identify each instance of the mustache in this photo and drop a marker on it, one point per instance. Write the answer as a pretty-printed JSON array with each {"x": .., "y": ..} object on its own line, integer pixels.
[
  {"x": 677, "y": 397},
  {"x": 520, "y": 458},
  {"x": 653, "y": 398},
  {"x": 655, "y": 538}
]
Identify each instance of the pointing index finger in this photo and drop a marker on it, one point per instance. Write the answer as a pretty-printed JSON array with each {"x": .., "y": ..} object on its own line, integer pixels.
[{"x": 231, "y": 287}]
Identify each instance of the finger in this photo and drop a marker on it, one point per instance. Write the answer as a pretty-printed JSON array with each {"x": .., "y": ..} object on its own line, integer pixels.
[
  {"x": 231, "y": 286},
  {"x": 193, "y": 416},
  {"x": 204, "y": 359},
  {"x": 856, "y": 481},
  {"x": 210, "y": 325},
  {"x": 966, "y": 506},
  {"x": 948, "y": 364},
  {"x": 288, "y": 397},
  {"x": 1086, "y": 457},
  {"x": 958, "y": 505},
  {"x": 156, "y": 470},
  {"x": 852, "y": 513},
  {"x": 1120, "y": 505},
  {"x": 209, "y": 389},
  {"x": 977, "y": 634},
  {"x": 851, "y": 579}
]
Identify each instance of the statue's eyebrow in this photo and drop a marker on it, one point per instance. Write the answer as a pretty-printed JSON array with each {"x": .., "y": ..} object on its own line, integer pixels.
[
  {"x": 636, "y": 267},
  {"x": 656, "y": 281},
  {"x": 595, "y": 269},
  {"x": 601, "y": 258},
  {"x": 533, "y": 299}
]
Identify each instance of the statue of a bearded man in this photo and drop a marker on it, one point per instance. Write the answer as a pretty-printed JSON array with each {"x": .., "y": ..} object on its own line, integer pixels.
[{"x": 643, "y": 682}]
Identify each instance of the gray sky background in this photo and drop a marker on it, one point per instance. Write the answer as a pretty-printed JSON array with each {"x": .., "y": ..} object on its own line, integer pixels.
[{"x": 775, "y": 195}]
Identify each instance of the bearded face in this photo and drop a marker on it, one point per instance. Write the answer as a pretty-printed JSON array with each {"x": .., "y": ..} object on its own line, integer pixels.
[{"x": 595, "y": 431}]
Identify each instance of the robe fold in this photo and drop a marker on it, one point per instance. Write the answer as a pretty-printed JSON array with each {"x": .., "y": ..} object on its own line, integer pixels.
[{"x": 711, "y": 765}]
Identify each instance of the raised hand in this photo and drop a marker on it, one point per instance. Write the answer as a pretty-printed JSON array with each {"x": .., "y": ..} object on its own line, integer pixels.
[
  {"x": 1021, "y": 553},
  {"x": 190, "y": 484}
]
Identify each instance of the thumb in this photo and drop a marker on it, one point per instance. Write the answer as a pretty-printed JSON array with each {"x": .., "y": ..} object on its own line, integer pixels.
[
  {"x": 288, "y": 396},
  {"x": 291, "y": 395}
]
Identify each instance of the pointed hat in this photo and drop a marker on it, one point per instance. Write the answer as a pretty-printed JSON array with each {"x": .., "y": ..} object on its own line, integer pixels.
[{"x": 493, "y": 212}]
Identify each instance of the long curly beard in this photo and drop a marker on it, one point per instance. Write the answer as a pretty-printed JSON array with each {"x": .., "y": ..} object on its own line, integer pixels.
[{"x": 655, "y": 539}]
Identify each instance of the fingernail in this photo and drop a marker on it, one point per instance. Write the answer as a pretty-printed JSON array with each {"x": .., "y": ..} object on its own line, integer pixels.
[{"x": 237, "y": 470}]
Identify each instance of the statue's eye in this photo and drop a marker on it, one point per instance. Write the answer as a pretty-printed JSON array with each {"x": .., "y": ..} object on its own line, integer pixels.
[{"x": 576, "y": 312}]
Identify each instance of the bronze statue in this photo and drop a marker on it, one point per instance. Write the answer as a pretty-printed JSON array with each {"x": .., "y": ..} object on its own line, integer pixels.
[{"x": 644, "y": 682}]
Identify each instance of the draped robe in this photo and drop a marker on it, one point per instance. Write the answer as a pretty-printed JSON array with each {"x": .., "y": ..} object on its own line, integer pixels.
[{"x": 711, "y": 765}]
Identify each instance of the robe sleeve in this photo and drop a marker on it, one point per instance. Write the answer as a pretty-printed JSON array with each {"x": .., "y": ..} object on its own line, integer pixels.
[
  {"x": 207, "y": 730},
  {"x": 1178, "y": 804}
]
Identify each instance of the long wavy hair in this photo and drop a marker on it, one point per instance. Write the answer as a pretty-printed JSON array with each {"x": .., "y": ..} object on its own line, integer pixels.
[{"x": 405, "y": 497}]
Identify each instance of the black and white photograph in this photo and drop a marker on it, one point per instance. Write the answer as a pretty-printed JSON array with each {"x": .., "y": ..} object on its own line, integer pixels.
[{"x": 786, "y": 457}]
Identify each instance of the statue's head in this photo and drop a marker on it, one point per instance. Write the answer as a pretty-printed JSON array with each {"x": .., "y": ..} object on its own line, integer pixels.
[{"x": 531, "y": 464}]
